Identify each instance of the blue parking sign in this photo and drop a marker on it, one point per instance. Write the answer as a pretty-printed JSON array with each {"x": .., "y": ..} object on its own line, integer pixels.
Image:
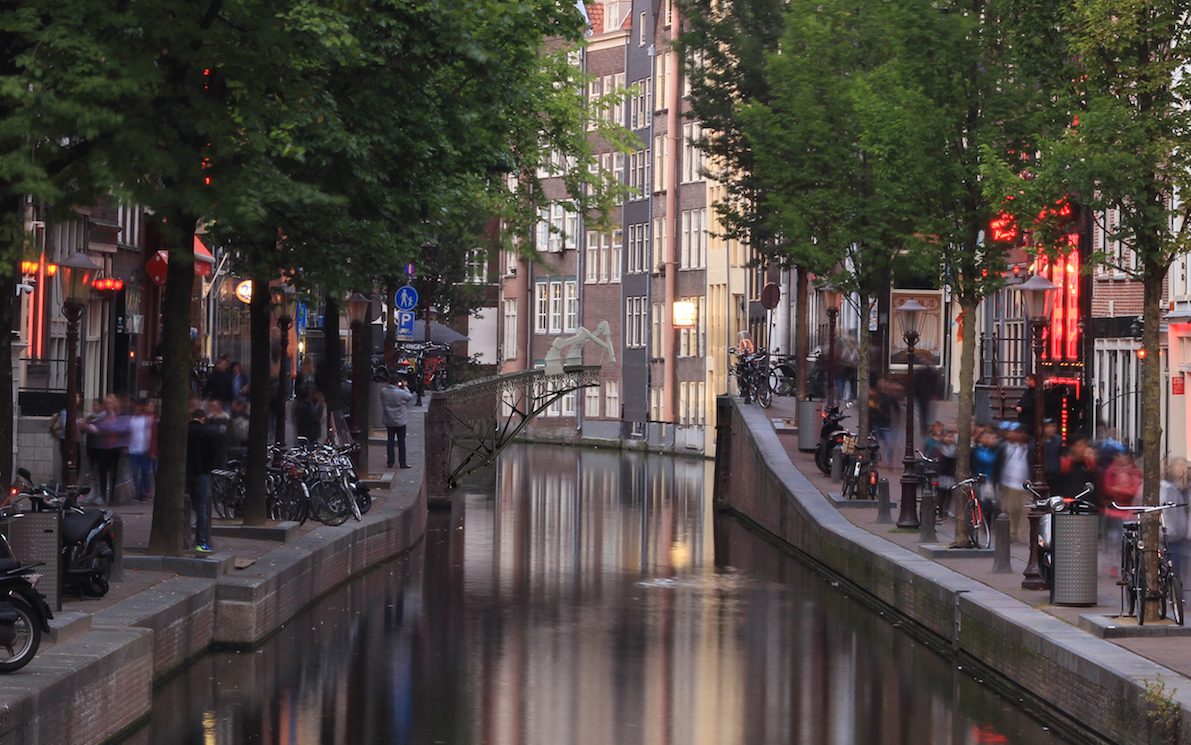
[
  {"x": 405, "y": 325},
  {"x": 406, "y": 298}
]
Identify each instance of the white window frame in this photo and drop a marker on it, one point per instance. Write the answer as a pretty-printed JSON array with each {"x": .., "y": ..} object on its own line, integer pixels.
[
  {"x": 591, "y": 402},
  {"x": 611, "y": 399},
  {"x": 541, "y": 306},
  {"x": 570, "y": 292},
  {"x": 555, "y": 305},
  {"x": 509, "y": 342}
]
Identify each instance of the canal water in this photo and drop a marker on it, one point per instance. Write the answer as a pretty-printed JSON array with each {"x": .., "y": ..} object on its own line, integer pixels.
[{"x": 580, "y": 596}]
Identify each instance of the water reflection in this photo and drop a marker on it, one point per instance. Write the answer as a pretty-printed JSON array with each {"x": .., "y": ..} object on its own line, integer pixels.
[{"x": 581, "y": 596}]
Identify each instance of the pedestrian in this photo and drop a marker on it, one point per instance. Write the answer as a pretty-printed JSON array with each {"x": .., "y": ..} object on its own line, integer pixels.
[
  {"x": 946, "y": 454},
  {"x": 926, "y": 390},
  {"x": 1122, "y": 485},
  {"x": 142, "y": 449},
  {"x": 220, "y": 384},
  {"x": 220, "y": 424},
  {"x": 238, "y": 429},
  {"x": 395, "y": 398},
  {"x": 306, "y": 416},
  {"x": 1052, "y": 448},
  {"x": 1011, "y": 471},
  {"x": 111, "y": 440},
  {"x": 200, "y": 459},
  {"x": 1027, "y": 403},
  {"x": 239, "y": 381},
  {"x": 1178, "y": 519},
  {"x": 984, "y": 457}
]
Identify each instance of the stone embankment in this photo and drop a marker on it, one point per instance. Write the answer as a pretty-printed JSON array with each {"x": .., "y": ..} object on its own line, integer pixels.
[{"x": 1093, "y": 689}]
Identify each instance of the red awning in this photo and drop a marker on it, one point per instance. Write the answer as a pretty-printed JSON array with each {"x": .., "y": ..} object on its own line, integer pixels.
[{"x": 204, "y": 263}]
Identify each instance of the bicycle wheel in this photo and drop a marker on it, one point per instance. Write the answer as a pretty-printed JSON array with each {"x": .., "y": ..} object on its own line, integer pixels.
[
  {"x": 764, "y": 393},
  {"x": 1174, "y": 588},
  {"x": 328, "y": 503},
  {"x": 1140, "y": 588},
  {"x": 291, "y": 501},
  {"x": 1126, "y": 580}
]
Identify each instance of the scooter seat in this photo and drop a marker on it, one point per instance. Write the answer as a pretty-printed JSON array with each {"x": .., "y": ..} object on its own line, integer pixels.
[{"x": 75, "y": 526}]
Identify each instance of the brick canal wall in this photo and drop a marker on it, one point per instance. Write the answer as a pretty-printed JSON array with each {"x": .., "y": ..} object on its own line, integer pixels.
[{"x": 1094, "y": 689}]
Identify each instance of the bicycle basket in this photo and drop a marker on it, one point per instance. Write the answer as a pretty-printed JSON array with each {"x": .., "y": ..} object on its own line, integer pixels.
[{"x": 848, "y": 445}]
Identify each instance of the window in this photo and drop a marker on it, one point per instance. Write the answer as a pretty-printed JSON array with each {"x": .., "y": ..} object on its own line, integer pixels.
[
  {"x": 612, "y": 399},
  {"x": 617, "y": 238},
  {"x": 568, "y": 403},
  {"x": 641, "y": 34},
  {"x": 684, "y": 339},
  {"x": 659, "y": 243},
  {"x": 639, "y": 177},
  {"x": 540, "y": 306},
  {"x": 555, "y": 306},
  {"x": 655, "y": 345},
  {"x": 661, "y": 85},
  {"x": 570, "y": 291},
  {"x": 692, "y": 156},
  {"x": 655, "y": 404},
  {"x": 639, "y": 104},
  {"x": 477, "y": 266},
  {"x": 591, "y": 401},
  {"x": 638, "y": 248},
  {"x": 694, "y": 239},
  {"x": 618, "y": 168},
  {"x": 595, "y": 89},
  {"x": 634, "y": 334},
  {"x": 618, "y": 106},
  {"x": 684, "y": 261},
  {"x": 659, "y": 162},
  {"x": 701, "y": 326},
  {"x": 509, "y": 344},
  {"x": 541, "y": 240},
  {"x": 605, "y": 257},
  {"x": 558, "y": 228},
  {"x": 593, "y": 257},
  {"x": 684, "y": 404}
]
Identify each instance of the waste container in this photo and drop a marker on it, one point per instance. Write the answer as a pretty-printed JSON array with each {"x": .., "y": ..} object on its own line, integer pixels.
[
  {"x": 810, "y": 422},
  {"x": 1075, "y": 558}
]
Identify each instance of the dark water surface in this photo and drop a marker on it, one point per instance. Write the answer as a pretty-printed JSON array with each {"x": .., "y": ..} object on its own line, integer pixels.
[{"x": 585, "y": 597}]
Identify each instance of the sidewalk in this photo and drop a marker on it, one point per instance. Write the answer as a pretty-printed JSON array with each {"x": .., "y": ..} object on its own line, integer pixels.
[
  {"x": 106, "y": 655},
  {"x": 1172, "y": 652}
]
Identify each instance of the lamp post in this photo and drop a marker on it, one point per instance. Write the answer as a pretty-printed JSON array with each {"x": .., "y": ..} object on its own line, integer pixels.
[
  {"x": 76, "y": 274},
  {"x": 285, "y": 299},
  {"x": 907, "y": 516},
  {"x": 831, "y": 299},
  {"x": 1037, "y": 294},
  {"x": 357, "y": 313}
]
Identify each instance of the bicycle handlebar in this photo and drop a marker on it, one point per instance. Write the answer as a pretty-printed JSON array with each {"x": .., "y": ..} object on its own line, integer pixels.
[{"x": 1143, "y": 508}]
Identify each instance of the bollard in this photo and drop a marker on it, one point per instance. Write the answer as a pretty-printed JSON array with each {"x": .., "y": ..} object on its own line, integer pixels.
[
  {"x": 1001, "y": 545},
  {"x": 883, "y": 515},
  {"x": 837, "y": 464},
  {"x": 927, "y": 505}
]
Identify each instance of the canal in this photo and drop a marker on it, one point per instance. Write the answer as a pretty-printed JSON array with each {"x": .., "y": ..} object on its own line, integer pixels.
[{"x": 582, "y": 596}]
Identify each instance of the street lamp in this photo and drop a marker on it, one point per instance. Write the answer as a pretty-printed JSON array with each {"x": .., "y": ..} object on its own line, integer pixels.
[
  {"x": 285, "y": 299},
  {"x": 1037, "y": 294},
  {"x": 76, "y": 274},
  {"x": 907, "y": 517},
  {"x": 357, "y": 313},
  {"x": 831, "y": 299}
]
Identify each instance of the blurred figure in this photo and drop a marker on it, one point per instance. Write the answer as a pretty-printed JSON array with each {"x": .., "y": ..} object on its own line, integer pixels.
[
  {"x": 1010, "y": 471},
  {"x": 239, "y": 381},
  {"x": 1052, "y": 449},
  {"x": 219, "y": 384},
  {"x": 926, "y": 390},
  {"x": 1178, "y": 519},
  {"x": 1122, "y": 483},
  {"x": 984, "y": 457},
  {"x": 142, "y": 449}
]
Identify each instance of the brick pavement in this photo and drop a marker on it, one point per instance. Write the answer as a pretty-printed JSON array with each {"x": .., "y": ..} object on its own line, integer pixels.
[{"x": 1171, "y": 652}]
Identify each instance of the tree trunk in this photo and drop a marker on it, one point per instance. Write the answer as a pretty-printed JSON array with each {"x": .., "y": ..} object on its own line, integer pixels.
[
  {"x": 261, "y": 390},
  {"x": 169, "y": 519},
  {"x": 862, "y": 388},
  {"x": 801, "y": 332},
  {"x": 1151, "y": 417},
  {"x": 7, "y": 438},
  {"x": 967, "y": 389},
  {"x": 332, "y": 358}
]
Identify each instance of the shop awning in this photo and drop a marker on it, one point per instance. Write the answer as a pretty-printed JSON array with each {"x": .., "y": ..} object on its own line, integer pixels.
[{"x": 204, "y": 263}]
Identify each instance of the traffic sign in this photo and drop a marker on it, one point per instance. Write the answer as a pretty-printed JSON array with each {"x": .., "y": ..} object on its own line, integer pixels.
[
  {"x": 406, "y": 298},
  {"x": 405, "y": 325}
]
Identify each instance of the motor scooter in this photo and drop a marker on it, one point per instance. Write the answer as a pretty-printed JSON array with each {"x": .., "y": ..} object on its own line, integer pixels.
[
  {"x": 1077, "y": 505},
  {"x": 831, "y": 435},
  {"x": 24, "y": 613},
  {"x": 87, "y": 536}
]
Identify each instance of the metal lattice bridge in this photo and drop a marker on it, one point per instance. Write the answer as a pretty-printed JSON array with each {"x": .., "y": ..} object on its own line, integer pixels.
[{"x": 483, "y": 416}]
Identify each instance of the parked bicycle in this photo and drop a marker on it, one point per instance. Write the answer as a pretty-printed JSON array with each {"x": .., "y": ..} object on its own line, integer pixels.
[
  {"x": 783, "y": 376},
  {"x": 1135, "y": 589},
  {"x": 927, "y": 470},
  {"x": 752, "y": 377},
  {"x": 975, "y": 521},
  {"x": 860, "y": 466}
]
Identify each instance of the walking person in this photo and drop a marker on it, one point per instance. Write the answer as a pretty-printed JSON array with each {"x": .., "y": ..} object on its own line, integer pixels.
[
  {"x": 1010, "y": 470},
  {"x": 395, "y": 398},
  {"x": 200, "y": 459},
  {"x": 142, "y": 449}
]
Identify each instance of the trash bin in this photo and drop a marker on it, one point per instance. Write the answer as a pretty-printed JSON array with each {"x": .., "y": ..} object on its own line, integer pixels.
[
  {"x": 1075, "y": 558},
  {"x": 810, "y": 422}
]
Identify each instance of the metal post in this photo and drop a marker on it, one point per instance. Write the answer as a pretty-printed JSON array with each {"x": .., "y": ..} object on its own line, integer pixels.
[
  {"x": 908, "y": 515},
  {"x": 831, "y": 314},
  {"x": 1001, "y": 563},
  {"x": 74, "y": 312},
  {"x": 928, "y": 534},
  {"x": 1032, "y": 580},
  {"x": 284, "y": 323}
]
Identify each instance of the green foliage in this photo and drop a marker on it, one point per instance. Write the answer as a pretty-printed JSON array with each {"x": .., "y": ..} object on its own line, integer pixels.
[{"x": 1165, "y": 714}]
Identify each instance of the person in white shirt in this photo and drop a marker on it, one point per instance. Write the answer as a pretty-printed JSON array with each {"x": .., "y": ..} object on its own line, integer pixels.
[{"x": 1010, "y": 470}]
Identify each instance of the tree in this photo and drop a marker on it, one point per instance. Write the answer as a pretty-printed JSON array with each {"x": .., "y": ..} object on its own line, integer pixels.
[
  {"x": 835, "y": 151},
  {"x": 1124, "y": 96}
]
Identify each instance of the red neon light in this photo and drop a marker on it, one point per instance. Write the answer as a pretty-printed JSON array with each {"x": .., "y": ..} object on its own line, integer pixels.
[
  {"x": 108, "y": 284},
  {"x": 1063, "y": 333},
  {"x": 1003, "y": 228}
]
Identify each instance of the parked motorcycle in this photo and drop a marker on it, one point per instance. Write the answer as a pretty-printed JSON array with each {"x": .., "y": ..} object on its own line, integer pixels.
[
  {"x": 87, "y": 536},
  {"x": 831, "y": 435},
  {"x": 24, "y": 613},
  {"x": 1077, "y": 505}
]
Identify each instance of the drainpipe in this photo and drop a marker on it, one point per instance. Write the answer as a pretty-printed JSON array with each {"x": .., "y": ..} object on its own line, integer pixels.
[{"x": 669, "y": 338}]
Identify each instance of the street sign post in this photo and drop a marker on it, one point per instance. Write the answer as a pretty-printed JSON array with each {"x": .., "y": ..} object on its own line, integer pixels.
[
  {"x": 405, "y": 325},
  {"x": 406, "y": 298}
]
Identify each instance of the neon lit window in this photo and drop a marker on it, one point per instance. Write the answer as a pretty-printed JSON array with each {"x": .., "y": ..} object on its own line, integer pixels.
[{"x": 1063, "y": 333}]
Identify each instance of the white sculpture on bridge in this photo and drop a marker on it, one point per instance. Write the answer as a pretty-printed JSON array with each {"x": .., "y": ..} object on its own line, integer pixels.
[{"x": 574, "y": 346}]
